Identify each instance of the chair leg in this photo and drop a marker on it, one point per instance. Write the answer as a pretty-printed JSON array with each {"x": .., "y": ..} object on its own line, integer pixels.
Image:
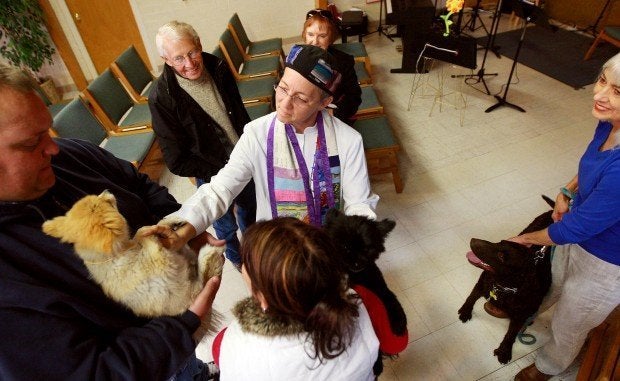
[{"x": 590, "y": 51}]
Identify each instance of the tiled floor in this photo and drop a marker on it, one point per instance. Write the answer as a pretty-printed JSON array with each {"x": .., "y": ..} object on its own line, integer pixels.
[{"x": 480, "y": 179}]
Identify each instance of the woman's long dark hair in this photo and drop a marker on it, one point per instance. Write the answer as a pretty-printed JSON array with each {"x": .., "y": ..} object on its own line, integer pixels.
[{"x": 291, "y": 264}]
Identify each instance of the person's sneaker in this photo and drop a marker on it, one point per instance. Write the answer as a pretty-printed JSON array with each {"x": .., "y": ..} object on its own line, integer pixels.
[
  {"x": 214, "y": 371},
  {"x": 492, "y": 310}
]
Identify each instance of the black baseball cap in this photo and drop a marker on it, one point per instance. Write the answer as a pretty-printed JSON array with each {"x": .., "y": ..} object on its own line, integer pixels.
[{"x": 316, "y": 65}]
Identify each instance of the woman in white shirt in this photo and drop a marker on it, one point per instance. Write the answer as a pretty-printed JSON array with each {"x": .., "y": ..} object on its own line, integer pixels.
[{"x": 301, "y": 323}]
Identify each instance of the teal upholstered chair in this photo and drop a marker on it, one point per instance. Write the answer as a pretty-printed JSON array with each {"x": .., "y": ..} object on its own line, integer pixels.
[
  {"x": 133, "y": 73},
  {"x": 245, "y": 69},
  {"x": 358, "y": 51},
  {"x": 258, "y": 109},
  {"x": 76, "y": 121},
  {"x": 363, "y": 77},
  {"x": 380, "y": 147},
  {"x": 253, "y": 49},
  {"x": 259, "y": 89},
  {"x": 370, "y": 103},
  {"x": 113, "y": 105}
]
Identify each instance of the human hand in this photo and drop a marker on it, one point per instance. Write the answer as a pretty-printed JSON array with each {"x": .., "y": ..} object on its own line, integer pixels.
[
  {"x": 204, "y": 238},
  {"x": 520, "y": 240},
  {"x": 172, "y": 239},
  {"x": 204, "y": 301},
  {"x": 562, "y": 204}
]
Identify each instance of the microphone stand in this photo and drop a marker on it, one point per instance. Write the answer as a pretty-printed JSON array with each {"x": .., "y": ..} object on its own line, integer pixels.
[
  {"x": 501, "y": 101},
  {"x": 489, "y": 46}
]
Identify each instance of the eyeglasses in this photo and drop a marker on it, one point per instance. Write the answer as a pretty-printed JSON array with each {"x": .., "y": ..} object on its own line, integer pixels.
[
  {"x": 180, "y": 60},
  {"x": 297, "y": 100},
  {"x": 320, "y": 12}
]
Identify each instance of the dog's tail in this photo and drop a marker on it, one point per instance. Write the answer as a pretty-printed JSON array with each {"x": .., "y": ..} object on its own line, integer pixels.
[{"x": 548, "y": 200}]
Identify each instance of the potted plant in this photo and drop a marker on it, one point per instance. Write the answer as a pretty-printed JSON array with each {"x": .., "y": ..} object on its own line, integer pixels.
[{"x": 24, "y": 40}]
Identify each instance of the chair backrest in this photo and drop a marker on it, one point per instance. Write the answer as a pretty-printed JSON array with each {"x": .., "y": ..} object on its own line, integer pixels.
[
  {"x": 76, "y": 121},
  {"x": 42, "y": 94},
  {"x": 135, "y": 70},
  {"x": 110, "y": 95},
  {"x": 218, "y": 52},
  {"x": 228, "y": 46},
  {"x": 235, "y": 21}
]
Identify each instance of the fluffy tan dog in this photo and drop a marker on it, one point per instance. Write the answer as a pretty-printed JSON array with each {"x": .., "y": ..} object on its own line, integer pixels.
[{"x": 139, "y": 273}]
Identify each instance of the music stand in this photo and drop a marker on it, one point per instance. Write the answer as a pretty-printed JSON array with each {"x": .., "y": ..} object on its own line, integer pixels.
[
  {"x": 529, "y": 13},
  {"x": 381, "y": 28},
  {"x": 473, "y": 16}
]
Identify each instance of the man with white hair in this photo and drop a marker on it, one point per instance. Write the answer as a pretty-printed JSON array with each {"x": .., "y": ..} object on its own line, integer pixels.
[{"x": 198, "y": 116}]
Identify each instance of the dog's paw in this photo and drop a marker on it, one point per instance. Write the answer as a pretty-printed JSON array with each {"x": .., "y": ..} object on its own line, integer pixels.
[
  {"x": 503, "y": 355},
  {"x": 465, "y": 313},
  {"x": 211, "y": 260}
]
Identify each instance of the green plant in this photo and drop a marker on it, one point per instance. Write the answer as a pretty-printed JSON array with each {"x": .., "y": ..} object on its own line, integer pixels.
[{"x": 25, "y": 41}]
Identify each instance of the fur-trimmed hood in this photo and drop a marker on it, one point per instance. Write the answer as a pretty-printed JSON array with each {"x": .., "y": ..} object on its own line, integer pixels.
[{"x": 254, "y": 320}]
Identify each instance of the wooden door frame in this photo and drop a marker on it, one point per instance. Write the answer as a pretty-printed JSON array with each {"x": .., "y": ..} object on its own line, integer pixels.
[{"x": 62, "y": 45}]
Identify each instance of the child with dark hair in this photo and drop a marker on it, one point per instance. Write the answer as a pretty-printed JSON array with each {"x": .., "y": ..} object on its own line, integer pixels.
[{"x": 301, "y": 321}]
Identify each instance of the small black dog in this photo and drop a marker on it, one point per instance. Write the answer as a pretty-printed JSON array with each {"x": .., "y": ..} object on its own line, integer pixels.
[
  {"x": 515, "y": 276},
  {"x": 360, "y": 241}
]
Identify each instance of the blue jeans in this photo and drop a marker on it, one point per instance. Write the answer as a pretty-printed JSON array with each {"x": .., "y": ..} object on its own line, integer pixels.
[
  {"x": 226, "y": 228},
  {"x": 193, "y": 370}
]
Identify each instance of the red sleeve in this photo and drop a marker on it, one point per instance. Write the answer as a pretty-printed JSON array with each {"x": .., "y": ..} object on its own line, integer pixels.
[
  {"x": 215, "y": 347},
  {"x": 389, "y": 343}
]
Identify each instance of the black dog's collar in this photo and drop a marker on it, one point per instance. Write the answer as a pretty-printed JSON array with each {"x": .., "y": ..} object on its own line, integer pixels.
[{"x": 499, "y": 289}]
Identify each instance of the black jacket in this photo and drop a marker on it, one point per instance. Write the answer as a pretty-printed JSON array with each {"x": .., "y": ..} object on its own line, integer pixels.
[
  {"x": 348, "y": 96},
  {"x": 193, "y": 144},
  {"x": 57, "y": 324}
]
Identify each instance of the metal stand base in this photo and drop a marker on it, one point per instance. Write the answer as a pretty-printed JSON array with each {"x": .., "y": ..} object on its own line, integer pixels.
[{"x": 503, "y": 102}]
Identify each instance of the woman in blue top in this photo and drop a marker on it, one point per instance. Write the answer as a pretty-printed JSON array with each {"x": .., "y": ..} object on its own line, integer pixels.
[{"x": 586, "y": 263}]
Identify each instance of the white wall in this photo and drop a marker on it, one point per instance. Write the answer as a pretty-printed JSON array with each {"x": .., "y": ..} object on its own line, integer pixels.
[{"x": 261, "y": 19}]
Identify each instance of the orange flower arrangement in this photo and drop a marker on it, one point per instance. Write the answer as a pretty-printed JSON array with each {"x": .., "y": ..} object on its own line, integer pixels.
[{"x": 453, "y": 6}]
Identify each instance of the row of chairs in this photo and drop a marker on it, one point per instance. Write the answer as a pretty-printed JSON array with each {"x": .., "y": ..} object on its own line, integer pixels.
[
  {"x": 256, "y": 65},
  {"x": 112, "y": 112}
]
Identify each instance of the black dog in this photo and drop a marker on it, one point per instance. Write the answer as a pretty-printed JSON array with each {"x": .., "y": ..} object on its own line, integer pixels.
[
  {"x": 360, "y": 241},
  {"x": 516, "y": 277}
]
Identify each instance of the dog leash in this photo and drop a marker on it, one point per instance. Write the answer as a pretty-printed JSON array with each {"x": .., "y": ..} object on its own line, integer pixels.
[{"x": 527, "y": 338}]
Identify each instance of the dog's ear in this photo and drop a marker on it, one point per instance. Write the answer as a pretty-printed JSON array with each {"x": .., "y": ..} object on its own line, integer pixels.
[
  {"x": 386, "y": 226},
  {"x": 55, "y": 227}
]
